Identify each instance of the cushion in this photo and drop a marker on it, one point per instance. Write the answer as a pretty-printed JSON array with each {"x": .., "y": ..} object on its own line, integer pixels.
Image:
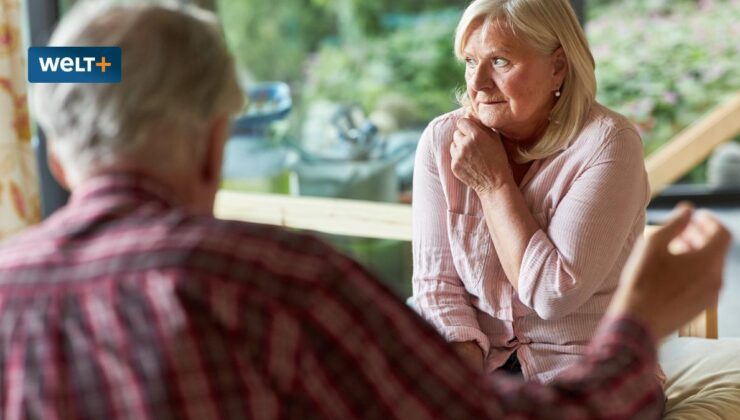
[{"x": 703, "y": 378}]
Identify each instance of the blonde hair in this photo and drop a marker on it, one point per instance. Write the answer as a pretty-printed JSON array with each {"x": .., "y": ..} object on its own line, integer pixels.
[
  {"x": 545, "y": 25},
  {"x": 177, "y": 74}
]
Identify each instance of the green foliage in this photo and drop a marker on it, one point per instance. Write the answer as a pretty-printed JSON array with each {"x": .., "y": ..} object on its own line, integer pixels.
[
  {"x": 416, "y": 61},
  {"x": 665, "y": 63},
  {"x": 271, "y": 39}
]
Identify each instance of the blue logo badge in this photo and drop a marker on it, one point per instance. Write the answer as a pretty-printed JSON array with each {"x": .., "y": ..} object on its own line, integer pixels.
[{"x": 74, "y": 64}]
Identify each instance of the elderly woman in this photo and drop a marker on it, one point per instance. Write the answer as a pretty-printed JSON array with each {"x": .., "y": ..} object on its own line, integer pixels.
[{"x": 528, "y": 200}]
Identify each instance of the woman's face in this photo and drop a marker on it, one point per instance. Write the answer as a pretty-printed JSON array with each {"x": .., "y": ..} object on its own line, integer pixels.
[{"x": 510, "y": 84}]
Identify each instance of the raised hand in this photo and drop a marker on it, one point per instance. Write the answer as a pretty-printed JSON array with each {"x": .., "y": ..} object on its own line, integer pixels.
[
  {"x": 478, "y": 157},
  {"x": 675, "y": 273}
]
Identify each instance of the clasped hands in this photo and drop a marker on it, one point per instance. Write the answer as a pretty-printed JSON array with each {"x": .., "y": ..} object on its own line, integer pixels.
[{"x": 479, "y": 158}]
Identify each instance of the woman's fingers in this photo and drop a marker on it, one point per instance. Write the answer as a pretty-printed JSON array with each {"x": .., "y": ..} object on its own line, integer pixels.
[
  {"x": 471, "y": 116},
  {"x": 467, "y": 126},
  {"x": 458, "y": 137}
]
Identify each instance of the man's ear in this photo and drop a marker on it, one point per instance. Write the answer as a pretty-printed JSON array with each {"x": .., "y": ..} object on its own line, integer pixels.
[
  {"x": 218, "y": 133},
  {"x": 559, "y": 67},
  {"x": 55, "y": 167}
]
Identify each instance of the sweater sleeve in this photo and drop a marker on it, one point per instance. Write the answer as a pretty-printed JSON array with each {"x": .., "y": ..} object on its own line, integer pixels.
[
  {"x": 564, "y": 265},
  {"x": 439, "y": 294}
]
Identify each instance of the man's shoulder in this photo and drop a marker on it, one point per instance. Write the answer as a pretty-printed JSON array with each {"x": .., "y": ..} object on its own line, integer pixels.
[
  {"x": 259, "y": 234},
  {"x": 22, "y": 248},
  {"x": 282, "y": 252},
  {"x": 200, "y": 245}
]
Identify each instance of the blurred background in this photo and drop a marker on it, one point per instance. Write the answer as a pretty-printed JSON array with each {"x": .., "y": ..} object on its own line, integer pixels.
[{"x": 340, "y": 91}]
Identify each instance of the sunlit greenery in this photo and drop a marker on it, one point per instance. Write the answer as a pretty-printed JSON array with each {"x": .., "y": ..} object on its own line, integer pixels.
[
  {"x": 414, "y": 60},
  {"x": 665, "y": 63}
]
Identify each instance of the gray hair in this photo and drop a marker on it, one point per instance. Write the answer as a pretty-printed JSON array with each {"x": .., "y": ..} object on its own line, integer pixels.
[
  {"x": 177, "y": 74},
  {"x": 545, "y": 25}
]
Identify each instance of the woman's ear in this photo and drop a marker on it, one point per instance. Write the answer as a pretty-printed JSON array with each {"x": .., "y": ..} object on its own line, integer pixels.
[{"x": 559, "y": 67}]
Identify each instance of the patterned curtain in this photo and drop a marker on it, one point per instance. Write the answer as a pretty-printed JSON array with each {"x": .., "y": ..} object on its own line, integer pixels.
[{"x": 19, "y": 188}]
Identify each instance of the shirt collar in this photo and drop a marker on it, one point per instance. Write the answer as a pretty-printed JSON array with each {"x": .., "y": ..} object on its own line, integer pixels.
[{"x": 123, "y": 184}]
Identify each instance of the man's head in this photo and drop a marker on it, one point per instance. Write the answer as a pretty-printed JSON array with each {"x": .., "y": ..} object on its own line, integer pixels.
[{"x": 168, "y": 118}]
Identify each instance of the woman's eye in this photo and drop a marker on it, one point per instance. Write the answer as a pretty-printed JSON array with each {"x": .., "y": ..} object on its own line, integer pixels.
[
  {"x": 500, "y": 62},
  {"x": 470, "y": 63}
]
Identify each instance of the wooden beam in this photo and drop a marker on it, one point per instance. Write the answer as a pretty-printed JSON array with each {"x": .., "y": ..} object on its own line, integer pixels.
[
  {"x": 329, "y": 215},
  {"x": 337, "y": 216},
  {"x": 366, "y": 219},
  {"x": 691, "y": 146}
]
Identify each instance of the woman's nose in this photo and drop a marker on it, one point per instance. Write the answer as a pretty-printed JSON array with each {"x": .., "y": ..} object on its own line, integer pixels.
[{"x": 481, "y": 78}]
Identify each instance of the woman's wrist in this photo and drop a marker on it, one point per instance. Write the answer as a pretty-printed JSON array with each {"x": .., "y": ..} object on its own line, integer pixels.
[{"x": 495, "y": 190}]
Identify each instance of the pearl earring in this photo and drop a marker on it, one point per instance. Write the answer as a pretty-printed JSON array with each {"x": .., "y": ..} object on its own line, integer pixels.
[{"x": 557, "y": 93}]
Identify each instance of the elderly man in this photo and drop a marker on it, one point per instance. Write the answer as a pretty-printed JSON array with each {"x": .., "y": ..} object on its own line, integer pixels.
[{"x": 134, "y": 302}]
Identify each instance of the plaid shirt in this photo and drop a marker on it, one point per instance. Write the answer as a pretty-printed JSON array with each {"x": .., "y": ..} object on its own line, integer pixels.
[{"x": 123, "y": 306}]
